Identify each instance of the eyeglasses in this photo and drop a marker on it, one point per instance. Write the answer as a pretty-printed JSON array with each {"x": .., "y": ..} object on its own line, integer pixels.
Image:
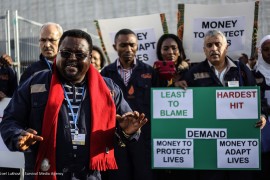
[
  {"x": 67, "y": 54},
  {"x": 217, "y": 44},
  {"x": 52, "y": 41}
]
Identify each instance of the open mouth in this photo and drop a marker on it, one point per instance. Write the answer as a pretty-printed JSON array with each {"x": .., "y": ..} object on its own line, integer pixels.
[{"x": 71, "y": 67}]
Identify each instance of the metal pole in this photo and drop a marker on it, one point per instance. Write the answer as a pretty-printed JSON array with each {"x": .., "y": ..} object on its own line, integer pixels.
[
  {"x": 17, "y": 45},
  {"x": 8, "y": 33},
  {"x": 29, "y": 21}
]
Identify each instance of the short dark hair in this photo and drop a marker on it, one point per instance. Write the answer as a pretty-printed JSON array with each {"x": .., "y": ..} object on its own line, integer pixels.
[
  {"x": 102, "y": 57},
  {"x": 124, "y": 32},
  {"x": 179, "y": 44},
  {"x": 77, "y": 33},
  {"x": 245, "y": 55}
]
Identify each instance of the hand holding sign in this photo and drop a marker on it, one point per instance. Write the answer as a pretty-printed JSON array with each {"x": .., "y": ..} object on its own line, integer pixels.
[{"x": 261, "y": 123}]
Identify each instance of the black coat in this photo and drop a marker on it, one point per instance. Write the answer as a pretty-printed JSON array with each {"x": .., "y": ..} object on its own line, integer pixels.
[
  {"x": 26, "y": 110},
  {"x": 35, "y": 68},
  {"x": 201, "y": 75},
  {"x": 8, "y": 80},
  {"x": 134, "y": 161}
]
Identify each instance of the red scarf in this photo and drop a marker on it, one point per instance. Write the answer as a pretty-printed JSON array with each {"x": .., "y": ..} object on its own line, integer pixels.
[{"x": 103, "y": 119}]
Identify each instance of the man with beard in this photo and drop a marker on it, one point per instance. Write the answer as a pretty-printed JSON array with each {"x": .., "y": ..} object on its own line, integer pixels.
[
  {"x": 50, "y": 34},
  {"x": 219, "y": 70},
  {"x": 135, "y": 78},
  {"x": 64, "y": 120}
]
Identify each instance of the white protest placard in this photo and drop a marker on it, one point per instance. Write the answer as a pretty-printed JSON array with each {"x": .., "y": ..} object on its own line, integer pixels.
[
  {"x": 3, "y": 104},
  {"x": 233, "y": 28},
  {"x": 147, "y": 42},
  {"x": 267, "y": 96},
  {"x": 147, "y": 27},
  {"x": 235, "y": 20},
  {"x": 173, "y": 153},
  {"x": 8, "y": 158},
  {"x": 238, "y": 153},
  {"x": 176, "y": 103},
  {"x": 237, "y": 104}
]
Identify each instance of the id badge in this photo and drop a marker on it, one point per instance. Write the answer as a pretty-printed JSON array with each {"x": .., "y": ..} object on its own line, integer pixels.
[
  {"x": 233, "y": 83},
  {"x": 78, "y": 139}
]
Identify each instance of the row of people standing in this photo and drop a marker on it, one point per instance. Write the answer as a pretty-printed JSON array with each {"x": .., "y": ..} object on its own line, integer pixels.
[
  {"x": 81, "y": 143},
  {"x": 216, "y": 70},
  {"x": 135, "y": 79}
]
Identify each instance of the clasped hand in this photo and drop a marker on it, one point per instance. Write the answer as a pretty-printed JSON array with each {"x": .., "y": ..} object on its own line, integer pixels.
[
  {"x": 5, "y": 60},
  {"x": 131, "y": 122}
]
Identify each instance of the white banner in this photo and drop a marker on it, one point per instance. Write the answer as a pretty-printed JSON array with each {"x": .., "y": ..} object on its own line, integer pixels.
[
  {"x": 148, "y": 29},
  {"x": 232, "y": 27},
  {"x": 236, "y": 20},
  {"x": 8, "y": 158}
]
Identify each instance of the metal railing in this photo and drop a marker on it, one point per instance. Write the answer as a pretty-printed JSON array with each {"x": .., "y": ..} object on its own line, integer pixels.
[
  {"x": 26, "y": 35},
  {"x": 6, "y": 25}
]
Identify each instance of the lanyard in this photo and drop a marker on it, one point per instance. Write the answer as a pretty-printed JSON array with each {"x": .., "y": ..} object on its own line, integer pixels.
[
  {"x": 74, "y": 116},
  {"x": 48, "y": 64}
]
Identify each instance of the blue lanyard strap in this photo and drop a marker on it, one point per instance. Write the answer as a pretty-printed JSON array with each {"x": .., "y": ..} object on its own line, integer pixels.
[
  {"x": 48, "y": 64},
  {"x": 74, "y": 116}
]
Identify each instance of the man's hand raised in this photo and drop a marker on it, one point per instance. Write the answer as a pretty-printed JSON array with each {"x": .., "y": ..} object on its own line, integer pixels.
[{"x": 131, "y": 122}]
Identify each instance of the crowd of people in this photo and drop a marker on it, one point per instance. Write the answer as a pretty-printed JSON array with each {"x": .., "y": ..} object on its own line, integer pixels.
[{"x": 74, "y": 117}]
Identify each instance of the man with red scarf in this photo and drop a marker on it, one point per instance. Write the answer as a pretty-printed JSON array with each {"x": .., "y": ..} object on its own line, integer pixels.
[{"x": 65, "y": 121}]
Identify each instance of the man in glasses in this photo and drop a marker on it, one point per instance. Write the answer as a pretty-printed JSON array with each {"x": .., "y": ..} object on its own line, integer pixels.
[
  {"x": 64, "y": 121},
  {"x": 50, "y": 34}
]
